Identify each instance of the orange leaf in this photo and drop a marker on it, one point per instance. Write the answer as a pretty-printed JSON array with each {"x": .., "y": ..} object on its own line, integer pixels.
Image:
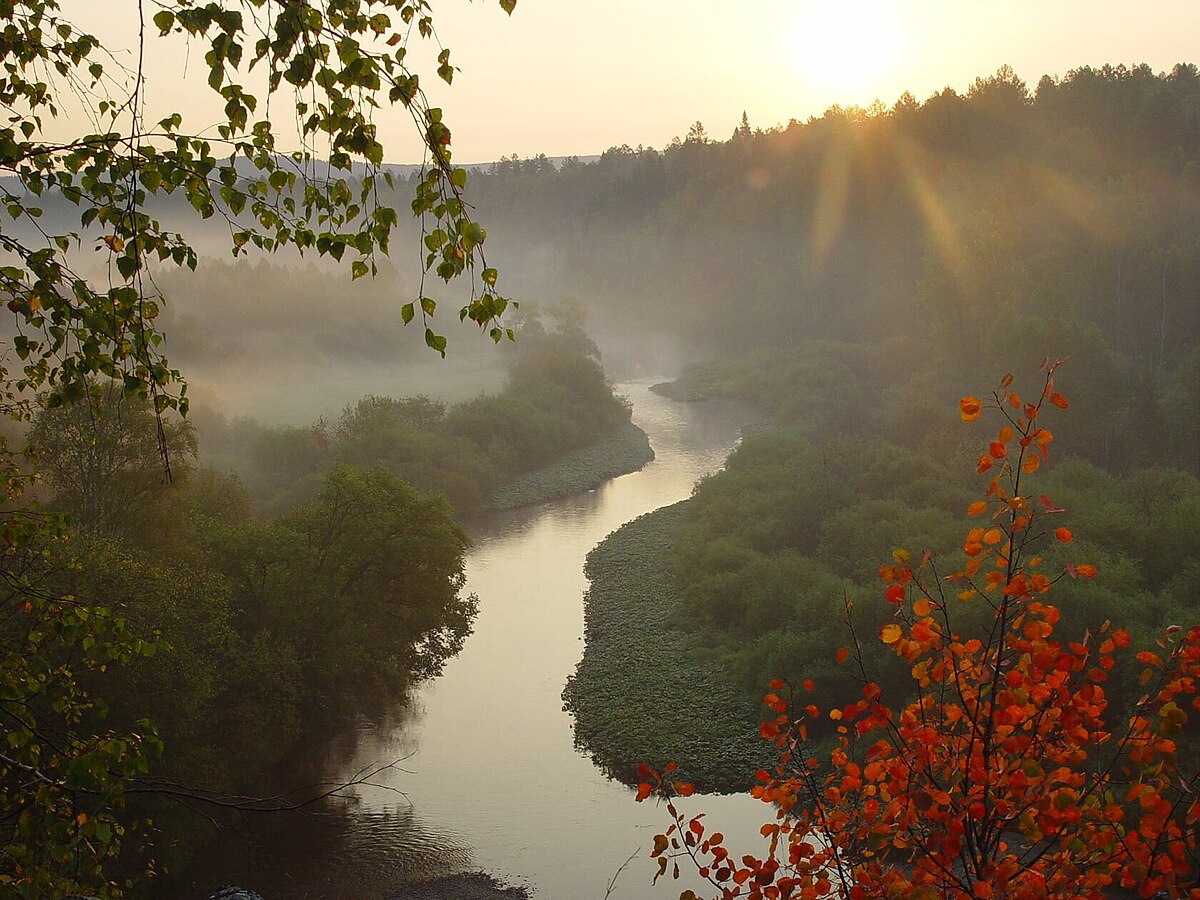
[
  {"x": 1059, "y": 400},
  {"x": 997, "y": 450},
  {"x": 841, "y": 655},
  {"x": 1086, "y": 570},
  {"x": 1031, "y": 463},
  {"x": 992, "y": 536},
  {"x": 1006, "y": 435},
  {"x": 1063, "y": 534},
  {"x": 643, "y": 791},
  {"x": 894, "y": 593},
  {"x": 890, "y": 633},
  {"x": 969, "y": 408},
  {"x": 976, "y": 508},
  {"x": 922, "y": 607}
]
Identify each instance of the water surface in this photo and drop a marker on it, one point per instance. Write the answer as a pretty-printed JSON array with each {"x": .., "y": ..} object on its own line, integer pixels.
[{"x": 491, "y": 777}]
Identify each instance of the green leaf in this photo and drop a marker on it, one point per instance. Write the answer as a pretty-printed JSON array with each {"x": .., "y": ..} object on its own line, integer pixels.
[
  {"x": 127, "y": 266},
  {"x": 358, "y": 269},
  {"x": 164, "y": 21},
  {"x": 407, "y": 312},
  {"x": 435, "y": 341}
]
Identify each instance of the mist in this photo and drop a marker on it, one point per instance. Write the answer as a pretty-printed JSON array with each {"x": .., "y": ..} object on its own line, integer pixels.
[{"x": 450, "y": 615}]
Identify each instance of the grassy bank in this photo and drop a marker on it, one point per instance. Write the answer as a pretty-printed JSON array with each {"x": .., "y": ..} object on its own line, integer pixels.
[
  {"x": 625, "y": 450},
  {"x": 640, "y": 694}
]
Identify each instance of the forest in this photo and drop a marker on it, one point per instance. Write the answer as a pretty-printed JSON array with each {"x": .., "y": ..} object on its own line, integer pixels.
[
  {"x": 286, "y": 581},
  {"x": 207, "y": 597}
]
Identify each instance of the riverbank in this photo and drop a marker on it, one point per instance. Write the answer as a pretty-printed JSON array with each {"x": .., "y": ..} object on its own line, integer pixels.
[
  {"x": 625, "y": 450},
  {"x": 464, "y": 886},
  {"x": 641, "y": 694},
  {"x": 467, "y": 886}
]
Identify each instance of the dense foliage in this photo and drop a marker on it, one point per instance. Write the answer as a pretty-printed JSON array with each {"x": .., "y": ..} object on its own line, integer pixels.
[
  {"x": 640, "y": 693},
  {"x": 76, "y": 142},
  {"x": 1076, "y": 203},
  {"x": 772, "y": 545},
  {"x": 997, "y": 766},
  {"x": 625, "y": 450},
  {"x": 556, "y": 402},
  {"x": 268, "y": 633}
]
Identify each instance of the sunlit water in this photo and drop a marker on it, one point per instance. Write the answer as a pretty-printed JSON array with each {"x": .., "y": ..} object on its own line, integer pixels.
[{"x": 491, "y": 778}]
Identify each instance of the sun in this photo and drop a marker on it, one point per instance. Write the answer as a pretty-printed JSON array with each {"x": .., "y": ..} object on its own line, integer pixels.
[{"x": 846, "y": 47}]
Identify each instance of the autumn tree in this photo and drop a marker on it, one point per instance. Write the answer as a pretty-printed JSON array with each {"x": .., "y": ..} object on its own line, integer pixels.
[{"x": 1001, "y": 769}]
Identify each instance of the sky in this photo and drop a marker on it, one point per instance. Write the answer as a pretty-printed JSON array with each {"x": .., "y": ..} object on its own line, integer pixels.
[{"x": 566, "y": 77}]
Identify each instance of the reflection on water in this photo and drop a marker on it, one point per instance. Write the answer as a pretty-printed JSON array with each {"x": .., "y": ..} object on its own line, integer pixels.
[
  {"x": 490, "y": 762},
  {"x": 344, "y": 850}
]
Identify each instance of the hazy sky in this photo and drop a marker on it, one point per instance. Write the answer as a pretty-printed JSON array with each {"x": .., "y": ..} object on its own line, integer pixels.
[{"x": 578, "y": 76}]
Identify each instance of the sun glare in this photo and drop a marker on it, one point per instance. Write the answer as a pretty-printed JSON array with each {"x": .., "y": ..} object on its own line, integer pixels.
[{"x": 846, "y": 47}]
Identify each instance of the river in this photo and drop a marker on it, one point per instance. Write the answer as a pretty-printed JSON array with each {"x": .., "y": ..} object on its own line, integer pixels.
[{"x": 491, "y": 779}]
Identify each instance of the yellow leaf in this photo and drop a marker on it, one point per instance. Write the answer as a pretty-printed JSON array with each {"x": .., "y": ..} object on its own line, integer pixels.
[
  {"x": 922, "y": 607},
  {"x": 889, "y": 634},
  {"x": 900, "y": 555}
]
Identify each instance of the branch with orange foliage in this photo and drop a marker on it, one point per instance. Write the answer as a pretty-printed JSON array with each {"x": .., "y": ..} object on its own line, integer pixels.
[{"x": 999, "y": 774}]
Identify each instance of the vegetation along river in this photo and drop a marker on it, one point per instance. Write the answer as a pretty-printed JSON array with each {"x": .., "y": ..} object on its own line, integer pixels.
[{"x": 491, "y": 778}]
